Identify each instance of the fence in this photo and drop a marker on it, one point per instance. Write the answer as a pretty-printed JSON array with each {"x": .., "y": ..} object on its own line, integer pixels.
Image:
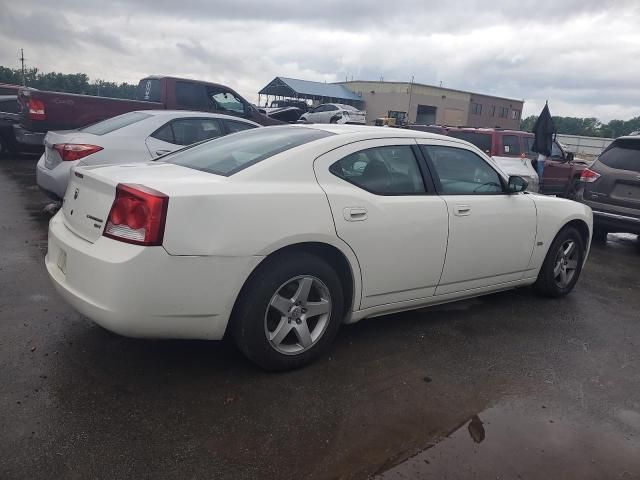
[{"x": 585, "y": 146}]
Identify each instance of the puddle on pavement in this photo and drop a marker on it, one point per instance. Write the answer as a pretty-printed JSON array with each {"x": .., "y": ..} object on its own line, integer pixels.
[{"x": 530, "y": 441}]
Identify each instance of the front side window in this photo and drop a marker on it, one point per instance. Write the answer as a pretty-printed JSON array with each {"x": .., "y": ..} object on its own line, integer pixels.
[
  {"x": 510, "y": 145},
  {"x": 115, "y": 123},
  {"x": 227, "y": 102},
  {"x": 232, "y": 153},
  {"x": 462, "y": 172},
  {"x": 556, "y": 151},
  {"x": 389, "y": 170}
]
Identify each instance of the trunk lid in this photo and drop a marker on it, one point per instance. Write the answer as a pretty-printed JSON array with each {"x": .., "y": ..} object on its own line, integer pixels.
[
  {"x": 619, "y": 169},
  {"x": 91, "y": 190},
  {"x": 51, "y": 156}
]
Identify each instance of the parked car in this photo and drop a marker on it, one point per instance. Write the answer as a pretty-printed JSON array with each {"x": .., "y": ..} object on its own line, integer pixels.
[
  {"x": 278, "y": 235},
  {"x": 334, "y": 113},
  {"x": 44, "y": 111},
  {"x": 287, "y": 102},
  {"x": 611, "y": 187},
  {"x": 439, "y": 129},
  {"x": 9, "y": 117},
  {"x": 561, "y": 172},
  {"x": 131, "y": 137}
]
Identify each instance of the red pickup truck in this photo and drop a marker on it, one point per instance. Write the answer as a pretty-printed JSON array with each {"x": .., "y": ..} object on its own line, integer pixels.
[{"x": 42, "y": 111}]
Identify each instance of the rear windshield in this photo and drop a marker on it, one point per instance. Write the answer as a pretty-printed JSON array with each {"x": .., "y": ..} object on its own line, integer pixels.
[
  {"x": 148, "y": 90},
  {"x": 228, "y": 155},
  {"x": 623, "y": 155},
  {"x": 480, "y": 140},
  {"x": 111, "y": 124}
]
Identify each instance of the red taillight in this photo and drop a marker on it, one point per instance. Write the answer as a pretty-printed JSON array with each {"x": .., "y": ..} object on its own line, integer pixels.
[
  {"x": 75, "y": 151},
  {"x": 36, "y": 109},
  {"x": 138, "y": 215},
  {"x": 589, "y": 176}
]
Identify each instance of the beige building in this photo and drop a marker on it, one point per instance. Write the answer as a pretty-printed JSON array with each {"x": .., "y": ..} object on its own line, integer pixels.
[{"x": 425, "y": 104}]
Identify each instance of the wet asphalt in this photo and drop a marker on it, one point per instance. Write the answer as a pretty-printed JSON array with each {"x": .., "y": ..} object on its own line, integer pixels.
[{"x": 505, "y": 386}]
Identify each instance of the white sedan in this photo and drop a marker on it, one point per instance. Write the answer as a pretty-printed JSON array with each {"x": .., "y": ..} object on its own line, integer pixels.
[
  {"x": 334, "y": 113},
  {"x": 280, "y": 234},
  {"x": 130, "y": 137}
]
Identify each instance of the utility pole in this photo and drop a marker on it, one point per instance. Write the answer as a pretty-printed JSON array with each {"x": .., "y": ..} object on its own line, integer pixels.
[
  {"x": 24, "y": 84},
  {"x": 410, "y": 94}
]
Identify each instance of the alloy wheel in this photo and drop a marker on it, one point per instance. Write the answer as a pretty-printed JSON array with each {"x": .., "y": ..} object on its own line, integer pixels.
[
  {"x": 566, "y": 263},
  {"x": 297, "y": 315}
]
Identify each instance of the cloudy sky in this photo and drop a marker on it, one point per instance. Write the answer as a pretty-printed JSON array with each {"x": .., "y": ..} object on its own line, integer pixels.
[{"x": 581, "y": 55}]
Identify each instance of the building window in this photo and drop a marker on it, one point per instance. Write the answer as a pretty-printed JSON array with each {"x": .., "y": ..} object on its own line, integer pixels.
[
  {"x": 476, "y": 108},
  {"x": 504, "y": 112},
  {"x": 515, "y": 114},
  {"x": 493, "y": 110}
]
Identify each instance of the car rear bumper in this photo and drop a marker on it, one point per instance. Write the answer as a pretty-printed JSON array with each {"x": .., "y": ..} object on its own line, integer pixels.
[
  {"x": 144, "y": 292},
  {"x": 53, "y": 181},
  {"x": 616, "y": 223},
  {"x": 622, "y": 220},
  {"x": 27, "y": 137}
]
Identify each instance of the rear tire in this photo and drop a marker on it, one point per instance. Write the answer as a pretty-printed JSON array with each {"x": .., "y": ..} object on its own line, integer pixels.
[
  {"x": 272, "y": 322},
  {"x": 600, "y": 235},
  {"x": 562, "y": 265},
  {"x": 4, "y": 147}
]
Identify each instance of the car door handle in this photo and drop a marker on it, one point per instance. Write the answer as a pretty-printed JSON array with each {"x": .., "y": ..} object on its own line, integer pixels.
[
  {"x": 162, "y": 152},
  {"x": 355, "y": 214},
  {"x": 462, "y": 210}
]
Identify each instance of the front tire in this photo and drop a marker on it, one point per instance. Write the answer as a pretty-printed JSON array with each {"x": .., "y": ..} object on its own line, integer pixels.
[
  {"x": 289, "y": 312},
  {"x": 562, "y": 265}
]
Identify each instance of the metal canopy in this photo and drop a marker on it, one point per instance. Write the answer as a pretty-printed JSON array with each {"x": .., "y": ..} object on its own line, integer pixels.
[{"x": 318, "y": 91}]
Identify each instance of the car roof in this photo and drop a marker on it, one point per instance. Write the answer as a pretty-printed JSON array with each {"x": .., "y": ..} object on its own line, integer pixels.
[
  {"x": 192, "y": 113},
  {"x": 489, "y": 130},
  {"x": 367, "y": 131}
]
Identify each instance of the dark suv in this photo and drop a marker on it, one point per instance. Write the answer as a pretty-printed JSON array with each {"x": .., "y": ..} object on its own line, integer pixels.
[{"x": 611, "y": 187}]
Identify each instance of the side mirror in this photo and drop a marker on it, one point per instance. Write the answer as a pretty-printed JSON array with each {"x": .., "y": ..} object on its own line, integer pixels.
[
  {"x": 516, "y": 184},
  {"x": 569, "y": 157}
]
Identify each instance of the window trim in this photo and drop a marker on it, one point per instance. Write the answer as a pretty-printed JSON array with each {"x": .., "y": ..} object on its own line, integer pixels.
[
  {"x": 427, "y": 181},
  {"x": 436, "y": 178}
]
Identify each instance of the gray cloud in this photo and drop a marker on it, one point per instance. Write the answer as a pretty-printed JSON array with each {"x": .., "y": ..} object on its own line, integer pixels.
[{"x": 582, "y": 55}]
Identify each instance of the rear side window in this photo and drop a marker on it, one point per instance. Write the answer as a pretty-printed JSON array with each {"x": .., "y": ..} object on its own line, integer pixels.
[
  {"x": 233, "y": 126},
  {"x": 230, "y": 154},
  {"x": 148, "y": 90},
  {"x": 391, "y": 170},
  {"x": 9, "y": 106},
  {"x": 185, "y": 131},
  {"x": 480, "y": 140},
  {"x": 191, "y": 95},
  {"x": 112, "y": 124},
  {"x": 622, "y": 155},
  {"x": 510, "y": 145}
]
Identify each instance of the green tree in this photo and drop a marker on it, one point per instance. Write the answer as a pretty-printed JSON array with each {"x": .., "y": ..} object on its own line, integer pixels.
[{"x": 67, "y": 82}]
